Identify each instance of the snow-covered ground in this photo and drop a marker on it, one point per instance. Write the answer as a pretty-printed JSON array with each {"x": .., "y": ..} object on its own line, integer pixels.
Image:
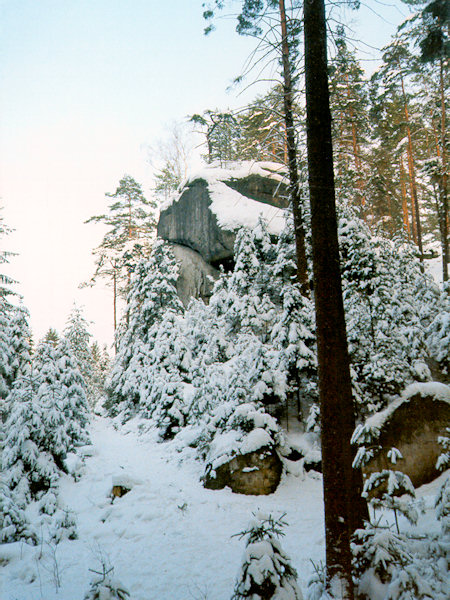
[{"x": 168, "y": 538}]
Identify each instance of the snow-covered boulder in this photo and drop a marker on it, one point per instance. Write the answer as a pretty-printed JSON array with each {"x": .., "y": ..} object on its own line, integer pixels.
[
  {"x": 412, "y": 425},
  {"x": 212, "y": 206},
  {"x": 255, "y": 474}
]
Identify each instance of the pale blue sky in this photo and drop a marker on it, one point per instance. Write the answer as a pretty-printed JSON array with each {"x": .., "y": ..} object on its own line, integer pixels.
[{"x": 85, "y": 86}]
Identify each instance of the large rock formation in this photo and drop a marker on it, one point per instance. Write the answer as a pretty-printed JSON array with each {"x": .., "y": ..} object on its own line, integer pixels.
[
  {"x": 412, "y": 424},
  {"x": 201, "y": 223}
]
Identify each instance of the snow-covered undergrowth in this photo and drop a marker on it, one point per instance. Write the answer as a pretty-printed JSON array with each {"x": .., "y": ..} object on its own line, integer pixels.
[
  {"x": 212, "y": 374},
  {"x": 168, "y": 537}
]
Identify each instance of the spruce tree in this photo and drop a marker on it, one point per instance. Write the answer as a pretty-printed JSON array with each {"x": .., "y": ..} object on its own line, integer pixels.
[
  {"x": 27, "y": 459},
  {"x": 266, "y": 571},
  {"x": 152, "y": 294},
  {"x": 75, "y": 406},
  {"x": 77, "y": 335}
]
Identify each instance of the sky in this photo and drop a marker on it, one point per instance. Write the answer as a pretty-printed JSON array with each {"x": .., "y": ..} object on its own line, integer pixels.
[{"x": 86, "y": 86}]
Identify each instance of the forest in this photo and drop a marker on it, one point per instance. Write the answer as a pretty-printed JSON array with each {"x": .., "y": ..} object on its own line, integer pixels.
[{"x": 306, "y": 386}]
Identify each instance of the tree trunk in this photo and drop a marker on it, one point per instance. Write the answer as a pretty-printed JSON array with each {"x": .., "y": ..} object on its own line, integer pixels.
[
  {"x": 404, "y": 199},
  {"x": 344, "y": 508},
  {"x": 412, "y": 175},
  {"x": 356, "y": 153},
  {"x": 294, "y": 190},
  {"x": 115, "y": 307},
  {"x": 443, "y": 216}
]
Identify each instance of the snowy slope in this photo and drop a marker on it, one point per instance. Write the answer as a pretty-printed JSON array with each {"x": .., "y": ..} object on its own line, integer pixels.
[{"x": 168, "y": 538}]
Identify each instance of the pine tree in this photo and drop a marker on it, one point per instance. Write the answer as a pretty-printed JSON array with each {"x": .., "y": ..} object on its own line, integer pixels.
[
  {"x": 222, "y": 134},
  {"x": 255, "y": 18},
  {"x": 348, "y": 102},
  {"x": 344, "y": 510},
  {"x": 429, "y": 33},
  {"x": 131, "y": 223}
]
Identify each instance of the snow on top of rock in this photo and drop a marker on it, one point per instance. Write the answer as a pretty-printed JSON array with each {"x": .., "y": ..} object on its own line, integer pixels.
[
  {"x": 430, "y": 389},
  {"x": 232, "y": 209}
]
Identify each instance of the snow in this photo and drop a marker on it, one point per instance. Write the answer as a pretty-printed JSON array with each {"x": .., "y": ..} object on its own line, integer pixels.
[
  {"x": 168, "y": 538},
  {"x": 232, "y": 209},
  {"x": 433, "y": 389}
]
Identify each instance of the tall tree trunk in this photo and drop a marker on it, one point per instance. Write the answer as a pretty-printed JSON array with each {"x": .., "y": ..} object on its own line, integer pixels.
[
  {"x": 404, "y": 199},
  {"x": 115, "y": 306},
  {"x": 415, "y": 201},
  {"x": 294, "y": 189},
  {"x": 443, "y": 216},
  {"x": 344, "y": 508},
  {"x": 356, "y": 153}
]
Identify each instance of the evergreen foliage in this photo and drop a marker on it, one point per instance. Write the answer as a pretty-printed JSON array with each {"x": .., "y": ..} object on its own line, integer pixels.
[
  {"x": 152, "y": 295},
  {"x": 266, "y": 571},
  {"x": 225, "y": 369},
  {"x": 105, "y": 587},
  {"x": 78, "y": 337},
  {"x": 404, "y": 567},
  {"x": 386, "y": 325}
]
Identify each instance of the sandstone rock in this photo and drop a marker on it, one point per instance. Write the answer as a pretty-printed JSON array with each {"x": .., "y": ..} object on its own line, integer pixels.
[
  {"x": 118, "y": 491},
  {"x": 256, "y": 473},
  {"x": 412, "y": 425},
  {"x": 189, "y": 222},
  {"x": 201, "y": 223},
  {"x": 196, "y": 276}
]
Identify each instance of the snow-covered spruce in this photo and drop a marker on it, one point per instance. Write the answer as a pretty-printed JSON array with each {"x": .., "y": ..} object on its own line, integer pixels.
[
  {"x": 442, "y": 503},
  {"x": 74, "y": 399},
  {"x": 152, "y": 294},
  {"x": 47, "y": 418},
  {"x": 105, "y": 587},
  {"x": 14, "y": 524},
  {"x": 266, "y": 572},
  {"x": 392, "y": 566},
  {"x": 386, "y": 322},
  {"x": 254, "y": 342},
  {"x": 15, "y": 349},
  {"x": 78, "y": 338}
]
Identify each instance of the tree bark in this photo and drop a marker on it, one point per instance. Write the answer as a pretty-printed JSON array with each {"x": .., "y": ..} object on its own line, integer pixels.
[
  {"x": 404, "y": 199},
  {"x": 294, "y": 190},
  {"x": 412, "y": 175},
  {"x": 115, "y": 306},
  {"x": 344, "y": 508},
  {"x": 443, "y": 217}
]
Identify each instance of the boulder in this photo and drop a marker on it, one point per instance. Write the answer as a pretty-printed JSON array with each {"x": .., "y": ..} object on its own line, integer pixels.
[
  {"x": 412, "y": 424},
  {"x": 256, "y": 473},
  {"x": 213, "y": 205}
]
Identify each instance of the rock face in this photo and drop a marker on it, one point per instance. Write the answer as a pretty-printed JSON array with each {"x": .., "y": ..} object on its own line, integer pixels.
[
  {"x": 413, "y": 428},
  {"x": 189, "y": 222},
  {"x": 204, "y": 219},
  {"x": 196, "y": 276},
  {"x": 257, "y": 473}
]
